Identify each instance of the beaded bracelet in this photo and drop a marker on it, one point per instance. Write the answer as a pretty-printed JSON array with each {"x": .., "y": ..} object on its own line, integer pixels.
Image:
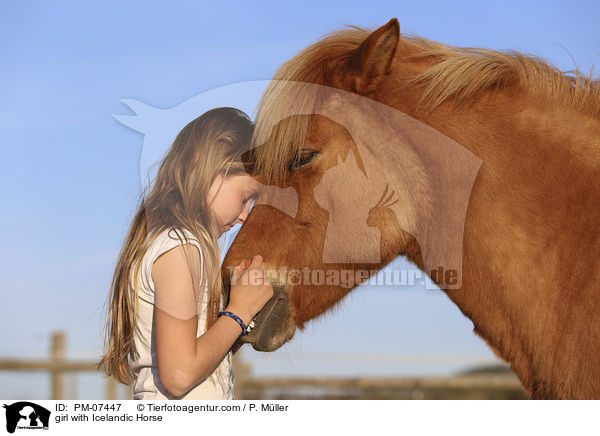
[{"x": 238, "y": 319}]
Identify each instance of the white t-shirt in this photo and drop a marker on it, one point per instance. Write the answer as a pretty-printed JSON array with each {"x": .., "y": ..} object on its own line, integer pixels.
[{"x": 145, "y": 368}]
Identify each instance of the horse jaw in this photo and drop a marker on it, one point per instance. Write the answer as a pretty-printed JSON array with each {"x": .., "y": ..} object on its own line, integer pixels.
[{"x": 274, "y": 323}]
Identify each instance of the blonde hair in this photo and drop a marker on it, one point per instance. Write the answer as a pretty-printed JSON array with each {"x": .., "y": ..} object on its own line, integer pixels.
[
  {"x": 210, "y": 145},
  {"x": 457, "y": 73}
]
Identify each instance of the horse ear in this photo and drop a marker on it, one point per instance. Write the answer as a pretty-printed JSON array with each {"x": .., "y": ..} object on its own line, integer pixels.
[{"x": 372, "y": 60}]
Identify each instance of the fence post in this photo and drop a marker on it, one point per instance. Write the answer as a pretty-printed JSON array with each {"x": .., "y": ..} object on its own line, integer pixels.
[
  {"x": 57, "y": 353},
  {"x": 242, "y": 371},
  {"x": 111, "y": 388}
]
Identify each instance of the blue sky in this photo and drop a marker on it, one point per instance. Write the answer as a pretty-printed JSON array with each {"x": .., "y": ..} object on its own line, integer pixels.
[{"x": 71, "y": 172}]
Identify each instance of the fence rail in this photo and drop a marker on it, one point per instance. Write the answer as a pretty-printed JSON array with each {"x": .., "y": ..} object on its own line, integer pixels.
[
  {"x": 58, "y": 366},
  {"x": 255, "y": 388}
]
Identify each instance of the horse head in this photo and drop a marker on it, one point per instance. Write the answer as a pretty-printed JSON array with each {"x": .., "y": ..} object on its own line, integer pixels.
[{"x": 349, "y": 183}]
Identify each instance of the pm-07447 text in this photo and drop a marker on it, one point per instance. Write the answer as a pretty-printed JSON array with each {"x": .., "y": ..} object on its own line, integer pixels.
[{"x": 97, "y": 407}]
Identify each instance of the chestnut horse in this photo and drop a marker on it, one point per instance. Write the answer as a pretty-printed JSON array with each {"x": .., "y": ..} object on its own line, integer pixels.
[{"x": 529, "y": 253}]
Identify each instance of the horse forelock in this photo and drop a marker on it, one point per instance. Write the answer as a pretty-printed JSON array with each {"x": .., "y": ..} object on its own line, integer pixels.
[
  {"x": 453, "y": 73},
  {"x": 274, "y": 142},
  {"x": 286, "y": 93}
]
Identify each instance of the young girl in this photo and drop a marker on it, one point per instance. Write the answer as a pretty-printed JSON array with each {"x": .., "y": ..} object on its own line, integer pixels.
[{"x": 164, "y": 331}]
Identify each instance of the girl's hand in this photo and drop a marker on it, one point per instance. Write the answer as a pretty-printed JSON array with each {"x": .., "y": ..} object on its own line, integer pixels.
[
  {"x": 245, "y": 264},
  {"x": 250, "y": 289}
]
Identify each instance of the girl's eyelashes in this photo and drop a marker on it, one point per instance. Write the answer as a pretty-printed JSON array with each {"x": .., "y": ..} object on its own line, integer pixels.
[{"x": 250, "y": 198}]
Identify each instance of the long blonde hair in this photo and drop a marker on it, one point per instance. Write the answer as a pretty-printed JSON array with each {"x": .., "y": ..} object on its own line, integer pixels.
[{"x": 210, "y": 145}]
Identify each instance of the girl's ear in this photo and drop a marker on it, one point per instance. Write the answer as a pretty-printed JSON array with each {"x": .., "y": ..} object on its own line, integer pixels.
[{"x": 249, "y": 162}]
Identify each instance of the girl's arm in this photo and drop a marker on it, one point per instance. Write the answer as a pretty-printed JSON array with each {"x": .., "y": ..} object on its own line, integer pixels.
[{"x": 183, "y": 359}]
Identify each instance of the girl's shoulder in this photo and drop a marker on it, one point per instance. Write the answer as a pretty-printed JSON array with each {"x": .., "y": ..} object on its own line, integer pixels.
[
  {"x": 163, "y": 242},
  {"x": 168, "y": 239},
  {"x": 173, "y": 237}
]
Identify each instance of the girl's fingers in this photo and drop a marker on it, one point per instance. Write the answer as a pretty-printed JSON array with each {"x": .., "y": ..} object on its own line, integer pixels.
[
  {"x": 237, "y": 272},
  {"x": 242, "y": 270},
  {"x": 256, "y": 261},
  {"x": 265, "y": 275}
]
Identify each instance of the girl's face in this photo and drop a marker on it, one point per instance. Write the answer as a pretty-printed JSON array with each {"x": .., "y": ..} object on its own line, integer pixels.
[{"x": 230, "y": 199}]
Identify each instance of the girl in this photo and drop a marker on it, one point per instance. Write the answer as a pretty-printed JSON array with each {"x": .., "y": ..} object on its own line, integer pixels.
[{"x": 164, "y": 331}]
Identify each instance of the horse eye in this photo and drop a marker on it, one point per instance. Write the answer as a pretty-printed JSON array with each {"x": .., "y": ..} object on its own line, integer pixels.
[{"x": 302, "y": 158}]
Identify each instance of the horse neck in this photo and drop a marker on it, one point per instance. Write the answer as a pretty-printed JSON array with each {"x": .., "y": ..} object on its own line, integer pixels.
[{"x": 538, "y": 163}]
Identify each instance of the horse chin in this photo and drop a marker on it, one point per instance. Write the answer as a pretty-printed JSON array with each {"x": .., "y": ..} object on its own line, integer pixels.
[{"x": 274, "y": 324}]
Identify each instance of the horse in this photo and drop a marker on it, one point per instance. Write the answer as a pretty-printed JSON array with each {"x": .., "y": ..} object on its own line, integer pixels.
[{"x": 522, "y": 235}]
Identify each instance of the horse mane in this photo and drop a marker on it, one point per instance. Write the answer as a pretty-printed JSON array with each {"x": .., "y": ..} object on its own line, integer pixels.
[
  {"x": 459, "y": 74},
  {"x": 463, "y": 73}
]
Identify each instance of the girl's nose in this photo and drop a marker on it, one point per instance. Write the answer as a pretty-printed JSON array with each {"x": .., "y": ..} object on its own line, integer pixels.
[{"x": 245, "y": 212}]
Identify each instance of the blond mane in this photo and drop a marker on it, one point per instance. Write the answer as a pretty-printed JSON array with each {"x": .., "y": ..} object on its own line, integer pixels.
[{"x": 456, "y": 73}]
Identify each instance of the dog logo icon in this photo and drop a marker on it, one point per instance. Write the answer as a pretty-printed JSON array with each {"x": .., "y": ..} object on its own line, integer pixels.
[{"x": 26, "y": 415}]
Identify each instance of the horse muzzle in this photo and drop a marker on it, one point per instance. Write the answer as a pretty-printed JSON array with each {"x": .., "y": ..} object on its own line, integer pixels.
[
  {"x": 266, "y": 323},
  {"x": 274, "y": 324}
]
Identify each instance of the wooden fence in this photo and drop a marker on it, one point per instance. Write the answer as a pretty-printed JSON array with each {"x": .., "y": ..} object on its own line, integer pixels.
[
  {"x": 58, "y": 366},
  {"x": 479, "y": 386}
]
